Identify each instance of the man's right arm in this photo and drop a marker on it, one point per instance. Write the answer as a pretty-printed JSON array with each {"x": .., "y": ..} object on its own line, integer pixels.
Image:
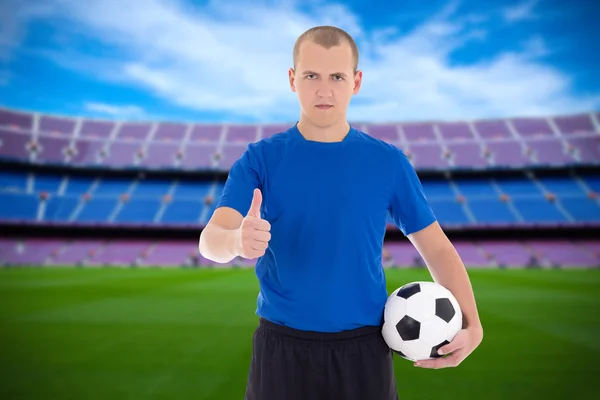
[
  {"x": 219, "y": 240},
  {"x": 228, "y": 234}
]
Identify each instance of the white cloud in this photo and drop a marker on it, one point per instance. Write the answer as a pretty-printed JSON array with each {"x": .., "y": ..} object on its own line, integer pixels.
[
  {"x": 520, "y": 12},
  {"x": 115, "y": 111},
  {"x": 234, "y": 58}
]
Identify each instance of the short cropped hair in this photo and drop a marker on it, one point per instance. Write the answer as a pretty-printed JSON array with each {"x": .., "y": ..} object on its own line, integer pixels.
[{"x": 327, "y": 36}]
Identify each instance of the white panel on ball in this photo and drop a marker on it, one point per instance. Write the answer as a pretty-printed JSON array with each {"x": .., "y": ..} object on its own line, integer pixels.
[
  {"x": 420, "y": 306},
  {"x": 433, "y": 331},
  {"x": 416, "y": 350}
]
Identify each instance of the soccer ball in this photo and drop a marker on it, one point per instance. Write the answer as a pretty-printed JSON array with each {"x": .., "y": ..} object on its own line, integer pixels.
[{"x": 419, "y": 318}]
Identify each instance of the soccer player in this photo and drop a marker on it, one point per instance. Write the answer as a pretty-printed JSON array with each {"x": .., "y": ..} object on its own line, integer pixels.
[{"x": 310, "y": 204}]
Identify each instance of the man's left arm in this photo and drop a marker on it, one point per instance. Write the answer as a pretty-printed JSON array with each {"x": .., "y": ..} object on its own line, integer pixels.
[{"x": 448, "y": 270}]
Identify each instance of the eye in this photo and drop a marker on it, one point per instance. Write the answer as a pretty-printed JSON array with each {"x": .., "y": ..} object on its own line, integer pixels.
[
  {"x": 309, "y": 76},
  {"x": 338, "y": 76}
]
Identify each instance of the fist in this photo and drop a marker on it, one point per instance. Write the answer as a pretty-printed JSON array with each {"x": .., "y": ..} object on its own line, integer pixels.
[{"x": 254, "y": 233}]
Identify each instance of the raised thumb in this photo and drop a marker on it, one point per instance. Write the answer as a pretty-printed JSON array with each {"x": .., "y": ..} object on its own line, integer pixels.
[{"x": 256, "y": 202}]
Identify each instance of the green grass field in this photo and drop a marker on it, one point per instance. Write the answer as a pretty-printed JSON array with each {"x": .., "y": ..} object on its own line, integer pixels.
[{"x": 113, "y": 334}]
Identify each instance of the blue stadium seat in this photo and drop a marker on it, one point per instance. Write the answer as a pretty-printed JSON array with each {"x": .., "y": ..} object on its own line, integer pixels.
[
  {"x": 582, "y": 208},
  {"x": 113, "y": 186},
  {"x": 518, "y": 186},
  {"x": 449, "y": 212},
  {"x": 593, "y": 181},
  {"x": 18, "y": 206},
  {"x": 437, "y": 189},
  {"x": 491, "y": 210},
  {"x": 139, "y": 210},
  {"x": 60, "y": 208},
  {"x": 562, "y": 185},
  {"x": 476, "y": 188},
  {"x": 191, "y": 190},
  {"x": 46, "y": 183},
  {"x": 183, "y": 212},
  {"x": 79, "y": 184},
  {"x": 151, "y": 188},
  {"x": 97, "y": 209},
  {"x": 13, "y": 181},
  {"x": 538, "y": 210}
]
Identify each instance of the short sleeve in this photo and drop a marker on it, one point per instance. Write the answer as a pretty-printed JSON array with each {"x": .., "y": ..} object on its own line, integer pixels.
[
  {"x": 244, "y": 177},
  {"x": 409, "y": 208}
]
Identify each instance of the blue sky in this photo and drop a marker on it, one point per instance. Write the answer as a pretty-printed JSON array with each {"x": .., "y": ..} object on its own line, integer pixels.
[{"x": 217, "y": 61}]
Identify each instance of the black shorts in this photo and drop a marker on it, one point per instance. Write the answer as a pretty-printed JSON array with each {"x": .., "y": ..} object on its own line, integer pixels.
[{"x": 289, "y": 364}]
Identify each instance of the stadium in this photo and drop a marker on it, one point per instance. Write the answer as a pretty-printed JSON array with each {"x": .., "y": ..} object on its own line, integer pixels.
[
  {"x": 106, "y": 293},
  {"x": 512, "y": 193}
]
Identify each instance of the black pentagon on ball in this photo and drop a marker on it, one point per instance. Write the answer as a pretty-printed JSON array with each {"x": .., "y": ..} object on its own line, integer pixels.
[
  {"x": 408, "y": 328},
  {"x": 444, "y": 309},
  {"x": 408, "y": 290},
  {"x": 434, "y": 349}
]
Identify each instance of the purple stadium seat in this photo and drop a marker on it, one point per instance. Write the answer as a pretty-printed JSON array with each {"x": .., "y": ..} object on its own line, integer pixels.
[
  {"x": 96, "y": 129},
  {"x": 492, "y": 129},
  {"x": 588, "y": 148},
  {"x": 16, "y": 120},
  {"x": 122, "y": 153},
  {"x": 51, "y": 149},
  {"x": 427, "y": 155},
  {"x": 58, "y": 125},
  {"x": 574, "y": 124},
  {"x": 270, "y": 130},
  {"x": 198, "y": 156},
  {"x": 160, "y": 155},
  {"x": 87, "y": 151},
  {"x": 231, "y": 153},
  {"x": 206, "y": 133},
  {"x": 549, "y": 151},
  {"x": 530, "y": 127},
  {"x": 467, "y": 154},
  {"x": 31, "y": 251},
  {"x": 564, "y": 253},
  {"x": 241, "y": 134},
  {"x": 507, "y": 153},
  {"x": 402, "y": 254},
  {"x": 419, "y": 133},
  {"x": 134, "y": 131},
  {"x": 14, "y": 144},
  {"x": 119, "y": 253},
  {"x": 455, "y": 131},
  {"x": 387, "y": 132},
  {"x": 470, "y": 254},
  {"x": 170, "y": 132},
  {"x": 169, "y": 253},
  {"x": 76, "y": 252},
  {"x": 510, "y": 254}
]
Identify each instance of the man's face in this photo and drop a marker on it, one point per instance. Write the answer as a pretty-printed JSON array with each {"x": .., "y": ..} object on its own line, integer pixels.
[{"x": 325, "y": 82}]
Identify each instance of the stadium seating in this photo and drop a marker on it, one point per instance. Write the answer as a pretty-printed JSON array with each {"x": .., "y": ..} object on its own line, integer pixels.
[
  {"x": 102, "y": 253},
  {"x": 511, "y": 143},
  {"x": 88, "y": 196},
  {"x": 456, "y": 202}
]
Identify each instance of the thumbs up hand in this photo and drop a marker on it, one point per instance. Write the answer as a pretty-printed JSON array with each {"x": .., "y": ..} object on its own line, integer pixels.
[{"x": 254, "y": 232}]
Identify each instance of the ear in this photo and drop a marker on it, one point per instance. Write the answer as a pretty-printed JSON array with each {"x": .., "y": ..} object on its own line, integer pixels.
[
  {"x": 357, "y": 82},
  {"x": 292, "y": 78}
]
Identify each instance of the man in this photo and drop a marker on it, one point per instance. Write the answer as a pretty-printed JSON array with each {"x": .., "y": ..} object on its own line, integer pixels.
[{"x": 310, "y": 204}]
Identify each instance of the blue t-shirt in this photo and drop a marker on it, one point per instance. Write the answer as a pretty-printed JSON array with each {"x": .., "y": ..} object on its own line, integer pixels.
[{"x": 327, "y": 204}]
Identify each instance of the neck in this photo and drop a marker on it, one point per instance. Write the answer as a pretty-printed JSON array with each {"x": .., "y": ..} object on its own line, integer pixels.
[{"x": 328, "y": 134}]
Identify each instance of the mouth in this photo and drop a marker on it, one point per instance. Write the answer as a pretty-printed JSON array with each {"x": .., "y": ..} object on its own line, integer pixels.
[{"x": 323, "y": 106}]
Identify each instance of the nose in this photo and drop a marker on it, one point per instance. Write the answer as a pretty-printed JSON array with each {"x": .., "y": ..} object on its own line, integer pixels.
[{"x": 324, "y": 89}]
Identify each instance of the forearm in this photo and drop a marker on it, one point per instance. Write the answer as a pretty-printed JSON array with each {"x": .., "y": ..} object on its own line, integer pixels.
[
  {"x": 218, "y": 244},
  {"x": 447, "y": 269}
]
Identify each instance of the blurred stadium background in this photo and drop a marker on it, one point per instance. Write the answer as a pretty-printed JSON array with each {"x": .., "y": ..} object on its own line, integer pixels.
[
  {"x": 111, "y": 162},
  {"x": 139, "y": 313},
  {"x": 513, "y": 193}
]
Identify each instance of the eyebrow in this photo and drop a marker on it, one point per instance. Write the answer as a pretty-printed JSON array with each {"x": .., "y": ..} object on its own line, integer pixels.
[{"x": 314, "y": 73}]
